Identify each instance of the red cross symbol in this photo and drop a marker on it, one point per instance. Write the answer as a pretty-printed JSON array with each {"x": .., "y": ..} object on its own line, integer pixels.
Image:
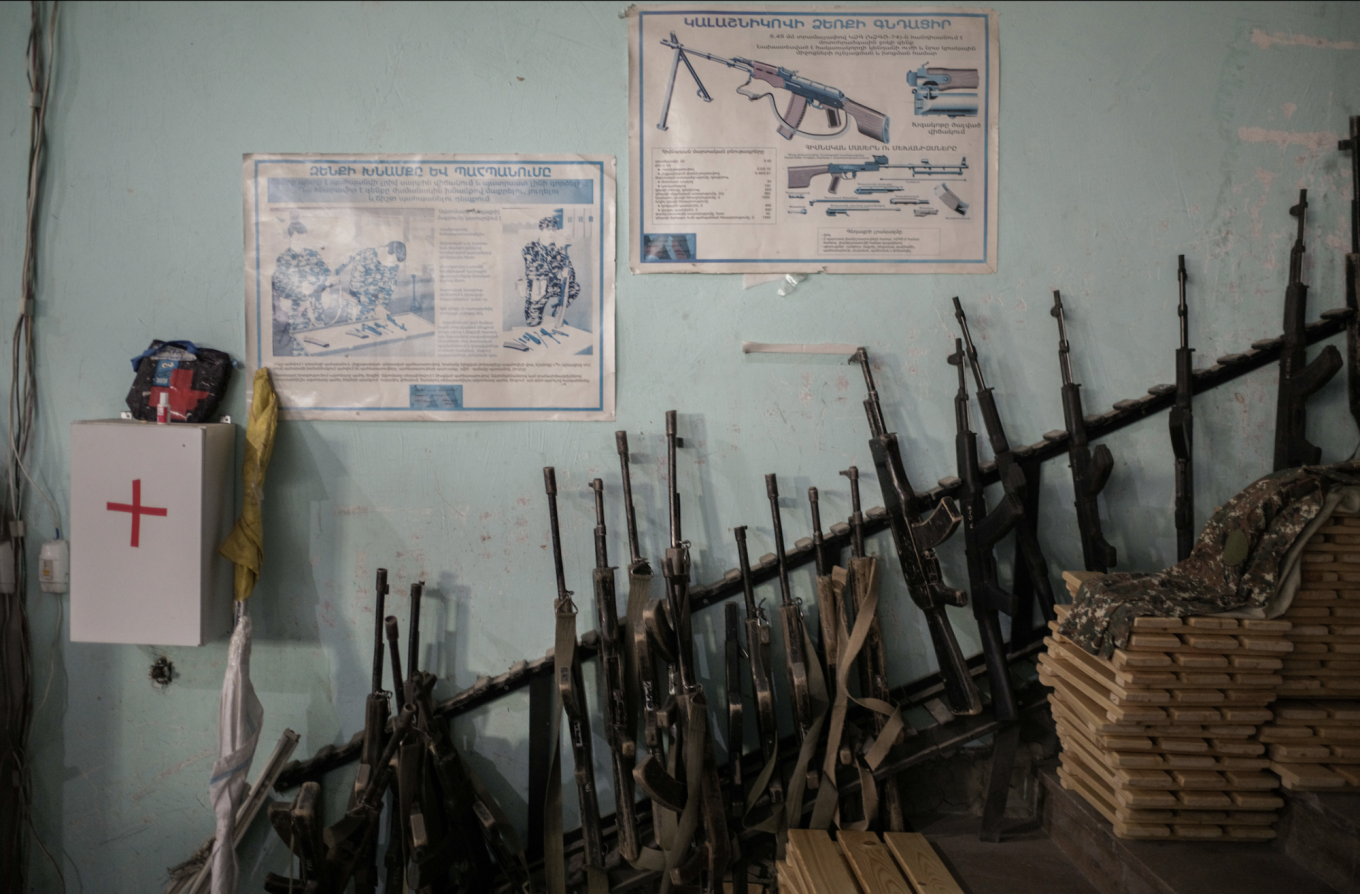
[
  {"x": 183, "y": 397},
  {"x": 137, "y": 510}
]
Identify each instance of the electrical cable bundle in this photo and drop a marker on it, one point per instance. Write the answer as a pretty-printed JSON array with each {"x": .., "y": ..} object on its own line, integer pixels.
[{"x": 16, "y": 689}]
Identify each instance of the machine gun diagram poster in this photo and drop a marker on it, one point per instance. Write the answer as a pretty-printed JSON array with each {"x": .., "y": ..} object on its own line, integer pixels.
[
  {"x": 436, "y": 287},
  {"x": 798, "y": 139}
]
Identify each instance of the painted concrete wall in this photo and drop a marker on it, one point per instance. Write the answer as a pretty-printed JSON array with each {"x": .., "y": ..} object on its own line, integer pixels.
[{"x": 1130, "y": 133}]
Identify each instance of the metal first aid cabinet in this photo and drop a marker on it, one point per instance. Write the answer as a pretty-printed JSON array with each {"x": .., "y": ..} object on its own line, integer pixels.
[{"x": 150, "y": 504}]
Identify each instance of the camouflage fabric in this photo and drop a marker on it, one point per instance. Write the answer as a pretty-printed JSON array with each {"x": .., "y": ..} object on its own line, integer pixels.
[{"x": 1238, "y": 561}]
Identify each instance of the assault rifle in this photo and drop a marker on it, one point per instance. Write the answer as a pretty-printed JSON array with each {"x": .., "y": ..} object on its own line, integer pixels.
[
  {"x": 1299, "y": 378},
  {"x": 828, "y": 606},
  {"x": 411, "y": 783},
  {"x": 375, "y": 728},
  {"x": 736, "y": 793},
  {"x": 1090, "y": 469},
  {"x": 791, "y": 617},
  {"x": 762, "y": 684},
  {"x": 982, "y": 530},
  {"x": 872, "y": 124},
  {"x": 800, "y": 176},
  {"x": 644, "y": 652},
  {"x": 694, "y": 741},
  {"x": 874, "y": 666},
  {"x": 1182, "y": 423},
  {"x": 348, "y": 841},
  {"x": 915, "y": 539},
  {"x": 572, "y": 692},
  {"x": 1353, "y": 274},
  {"x": 1013, "y": 479},
  {"x": 395, "y": 858},
  {"x": 618, "y": 730}
]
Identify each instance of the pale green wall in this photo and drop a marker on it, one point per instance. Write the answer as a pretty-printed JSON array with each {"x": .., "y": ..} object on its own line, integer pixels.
[{"x": 1124, "y": 141}]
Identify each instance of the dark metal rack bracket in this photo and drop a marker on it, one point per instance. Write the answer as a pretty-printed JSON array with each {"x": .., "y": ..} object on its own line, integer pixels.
[{"x": 1123, "y": 414}]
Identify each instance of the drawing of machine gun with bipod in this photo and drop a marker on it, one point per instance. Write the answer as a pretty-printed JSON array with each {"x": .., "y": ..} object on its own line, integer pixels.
[{"x": 804, "y": 93}]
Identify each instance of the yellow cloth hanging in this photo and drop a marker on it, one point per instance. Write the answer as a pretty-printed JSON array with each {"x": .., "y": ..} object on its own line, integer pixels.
[{"x": 245, "y": 544}]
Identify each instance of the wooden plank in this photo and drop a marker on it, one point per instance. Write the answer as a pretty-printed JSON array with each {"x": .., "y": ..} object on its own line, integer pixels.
[
  {"x": 787, "y": 878},
  {"x": 1212, "y": 623},
  {"x": 872, "y": 863},
  {"x": 920, "y": 863},
  {"x": 817, "y": 856}
]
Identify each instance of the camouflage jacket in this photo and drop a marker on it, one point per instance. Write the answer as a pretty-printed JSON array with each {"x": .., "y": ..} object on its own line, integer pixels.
[{"x": 1237, "y": 562}]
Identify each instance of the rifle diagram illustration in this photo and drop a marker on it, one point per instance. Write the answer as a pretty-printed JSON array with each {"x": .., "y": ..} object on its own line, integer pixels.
[
  {"x": 804, "y": 93},
  {"x": 845, "y": 212},
  {"x": 801, "y": 176},
  {"x": 935, "y": 91}
]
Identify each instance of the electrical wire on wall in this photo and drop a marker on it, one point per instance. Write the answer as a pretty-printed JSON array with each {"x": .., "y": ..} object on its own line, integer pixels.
[{"x": 16, "y": 686}]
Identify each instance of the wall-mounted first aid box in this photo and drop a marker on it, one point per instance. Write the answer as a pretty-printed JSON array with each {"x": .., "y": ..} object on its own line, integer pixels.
[{"x": 150, "y": 504}]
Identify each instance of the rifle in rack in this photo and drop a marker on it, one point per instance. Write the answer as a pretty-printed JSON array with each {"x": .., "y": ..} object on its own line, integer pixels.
[
  {"x": 828, "y": 606},
  {"x": 643, "y": 652},
  {"x": 703, "y": 805},
  {"x": 618, "y": 726},
  {"x": 736, "y": 793},
  {"x": 797, "y": 657},
  {"x": 874, "y": 663},
  {"x": 1182, "y": 425},
  {"x": 1299, "y": 378},
  {"x": 982, "y": 530},
  {"x": 1353, "y": 274},
  {"x": 375, "y": 728},
  {"x": 1090, "y": 469},
  {"x": 915, "y": 540},
  {"x": 395, "y": 858},
  {"x": 571, "y": 692},
  {"x": 348, "y": 841},
  {"x": 762, "y": 688},
  {"x": 1013, "y": 481}
]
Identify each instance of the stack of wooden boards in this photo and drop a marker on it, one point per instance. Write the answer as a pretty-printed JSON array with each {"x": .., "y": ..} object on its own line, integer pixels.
[
  {"x": 1315, "y": 744},
  {"x": 859, "y": 863},
  {"x": 1162, "y": 737}
]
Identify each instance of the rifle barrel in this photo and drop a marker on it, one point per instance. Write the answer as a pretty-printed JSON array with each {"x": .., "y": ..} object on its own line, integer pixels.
[
  {"x": 772, "y": 491},
  {"x": 413, "y": 632},
  {"x": 818, "y": 542},
  {"x": 674, "y": 495},
  {"x": 393, "y": 634},
  {"x": 601, "y": 549},
  {"x": 1064, "y": 349},
  {"x": 968, "y": 342},
  {"x": 744, "y": 563},
  {"x": 621, "y": 442},
  {"x": 1182, "y": 311},
  {"x": 550, "y": 486},
  {"x": 856, "y": 514},
  {"x": 378, "y": 614}
]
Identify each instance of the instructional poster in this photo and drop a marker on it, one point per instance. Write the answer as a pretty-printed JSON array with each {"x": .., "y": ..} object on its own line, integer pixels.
[
  {"x": 777, "y": 139},
  {"x": 439, "y": 287}
]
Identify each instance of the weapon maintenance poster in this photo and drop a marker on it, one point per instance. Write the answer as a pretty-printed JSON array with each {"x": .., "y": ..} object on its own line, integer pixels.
[
  {"x": 772, "y": 140},
  {"x": 436, "y": 287}
]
